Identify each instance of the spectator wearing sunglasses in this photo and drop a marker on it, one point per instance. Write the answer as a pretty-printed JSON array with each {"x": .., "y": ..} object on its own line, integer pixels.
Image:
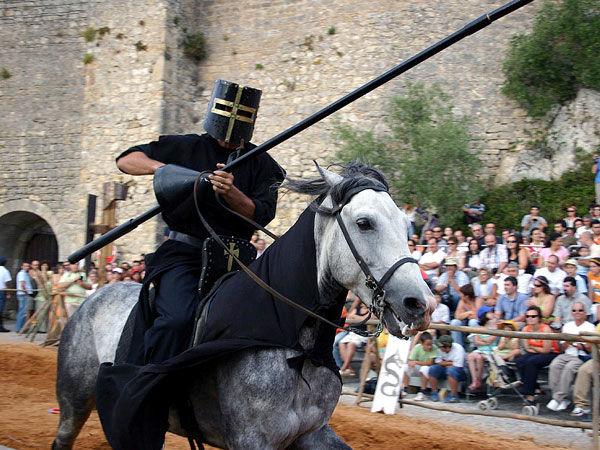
[
  {"x": 563, "y": 368},
  {"x": 538, "y": 353},
  {"x": 571, "y": 217}
]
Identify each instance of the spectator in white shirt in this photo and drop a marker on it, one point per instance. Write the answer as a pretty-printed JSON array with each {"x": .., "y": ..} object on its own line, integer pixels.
[
  {"x": 494, "y": 256},
  {"x": 431, "y": 260},
  {"x": 553, "y": 274}
]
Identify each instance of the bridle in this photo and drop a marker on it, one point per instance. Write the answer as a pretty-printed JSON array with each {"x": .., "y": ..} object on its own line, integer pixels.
[
  {"x": 378, "y": 298},
  {"x": 376, "y": 286}
]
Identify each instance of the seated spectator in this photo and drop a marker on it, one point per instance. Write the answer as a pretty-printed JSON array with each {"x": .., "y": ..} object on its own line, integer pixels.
[
  {"x": 448, "y": 364},
  {"x": 556, "y": 248},
  {"x": 519, "y": 255},
  {"x": 571, "y": 216},
  {"x": 412, "y": 247},
  {"x": 553, "y": 274},
  {"x": 483, "y": 285},
  {"x": 352, "y": 341},
  {"x": 581, "y": 390},
  {"x": 432, "y": 259},
  {"x": 538, "y": 353},
  {"x": 494, "y": 256},
  {"x": 512, "y": 305},
  {"x": 441, "y": 314},
  {"x": 564, "y": 367},
  {"x": 421, "y": 358},
  {"x": 535, "y": 245},
  {"x": 473, "y": 212},
  {"x": 438, "y": 234},
  {"x": 136, "y": 274},
  {"x": 585, "y": 227},
  {"x": 426, "y": 235},
  {"x": 569, "y": 239},
  {"x": 508, "y": 348},
  {"x": 531, "y": 221},
  {"x": 512, "y": 270},
  {"x": 452, "y": 248},
  {"x": 570, "y": 268},
  {"x": 450, "y": 282},
  {"x": 594, "y": 280},
  {"x": 116, "y": 275},
  {"x": 485, "y": 344},
  {"x": 463, "y": 245},
  {"x": 93, "y": 282},
  {"x": 466, "y": 313},
  {"x": 477, "y": 232},
  {"x": 542, "y": 297},
  {"x": 564, "y": 303},
  {"x": 469, "y": 261}
]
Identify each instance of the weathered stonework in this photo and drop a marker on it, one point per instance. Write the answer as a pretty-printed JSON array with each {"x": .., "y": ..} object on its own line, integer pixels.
[{"x": 64, "y": 121}]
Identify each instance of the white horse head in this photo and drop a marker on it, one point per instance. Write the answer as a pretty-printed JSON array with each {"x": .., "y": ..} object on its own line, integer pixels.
[{"x": 378, "y": 230}]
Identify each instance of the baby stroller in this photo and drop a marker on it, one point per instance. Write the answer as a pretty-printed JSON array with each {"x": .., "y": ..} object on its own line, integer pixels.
[{"x": 501, "y": 380}]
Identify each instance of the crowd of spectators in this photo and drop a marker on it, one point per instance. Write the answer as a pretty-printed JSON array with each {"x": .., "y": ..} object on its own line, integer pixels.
[{"x": 542, "y": 276}]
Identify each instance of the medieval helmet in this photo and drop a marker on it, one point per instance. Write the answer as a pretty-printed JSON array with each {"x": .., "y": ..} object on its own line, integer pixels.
[{"x": 232, "y": 112}]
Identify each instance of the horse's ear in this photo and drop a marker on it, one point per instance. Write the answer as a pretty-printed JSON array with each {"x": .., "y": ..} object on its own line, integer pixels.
[{"x": 330, "y": 178}]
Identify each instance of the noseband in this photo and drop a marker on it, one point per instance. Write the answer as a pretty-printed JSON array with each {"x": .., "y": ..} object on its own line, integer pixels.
[{"x": 377, "y": 286}]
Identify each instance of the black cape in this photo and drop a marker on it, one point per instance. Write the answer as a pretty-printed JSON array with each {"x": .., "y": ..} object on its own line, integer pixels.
[{"x": 240, "y": 315}]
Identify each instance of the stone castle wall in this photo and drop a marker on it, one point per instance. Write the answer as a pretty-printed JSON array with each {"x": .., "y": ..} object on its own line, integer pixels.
[{"x": 64, "y": 121}]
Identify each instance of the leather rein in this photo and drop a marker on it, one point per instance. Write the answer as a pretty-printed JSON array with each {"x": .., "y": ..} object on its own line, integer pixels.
[{"x": 376, "y": 286}]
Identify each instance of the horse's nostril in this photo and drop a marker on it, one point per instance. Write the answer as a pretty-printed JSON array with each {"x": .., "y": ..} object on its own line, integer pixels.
[{"x": 412, "y": 304}]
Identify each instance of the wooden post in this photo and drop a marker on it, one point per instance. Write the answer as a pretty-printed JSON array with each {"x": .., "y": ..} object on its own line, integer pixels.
[{"x": 595, "y": 395}]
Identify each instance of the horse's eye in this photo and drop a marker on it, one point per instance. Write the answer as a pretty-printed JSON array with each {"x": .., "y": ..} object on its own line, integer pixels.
[{"x": 364, "y": 224}]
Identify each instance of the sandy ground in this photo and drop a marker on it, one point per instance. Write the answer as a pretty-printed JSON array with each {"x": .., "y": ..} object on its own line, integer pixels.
[{"x": 27, "y": 379}]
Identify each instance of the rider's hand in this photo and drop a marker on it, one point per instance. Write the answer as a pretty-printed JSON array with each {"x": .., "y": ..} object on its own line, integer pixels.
[{"x": 222, "y": 181}]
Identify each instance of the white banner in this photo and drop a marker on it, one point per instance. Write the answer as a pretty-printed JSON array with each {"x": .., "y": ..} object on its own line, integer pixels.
[{"x": 389, "y": 382}]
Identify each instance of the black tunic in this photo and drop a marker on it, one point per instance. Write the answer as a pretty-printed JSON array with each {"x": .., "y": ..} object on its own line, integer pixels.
[{"x": 258, "y": 178}]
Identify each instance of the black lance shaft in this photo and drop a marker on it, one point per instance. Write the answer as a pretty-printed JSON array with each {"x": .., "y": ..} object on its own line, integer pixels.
[{"x": 471, "y": 28}]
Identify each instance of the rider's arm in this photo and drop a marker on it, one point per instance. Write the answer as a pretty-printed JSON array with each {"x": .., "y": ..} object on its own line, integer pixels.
[{"x": 137, "y": 163}]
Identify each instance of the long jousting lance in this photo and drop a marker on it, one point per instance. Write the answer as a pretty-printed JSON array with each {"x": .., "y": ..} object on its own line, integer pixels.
[{"x": 471, "y": 28}]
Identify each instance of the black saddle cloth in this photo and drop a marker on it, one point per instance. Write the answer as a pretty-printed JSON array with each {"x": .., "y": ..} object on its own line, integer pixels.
[{"x": 239, "y": 315}]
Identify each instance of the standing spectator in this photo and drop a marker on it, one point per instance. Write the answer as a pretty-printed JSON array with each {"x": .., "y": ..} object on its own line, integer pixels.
[
  {"x": 473, "y": 212},
  {"x": 448, "y": 364},
  {"x": 421, "y": 358},
  {"x": 542, "y": 298},
  {"x": 570, "y": 267},
  {"x": 556, "y": 248},
  {"x": 4, "y": 278},
  {"x": 583, "y": 383},
  {"x": 596, "y": 173},
  {"x": 564, "y": 367},
  {"x": 93, "y": 281},
  {"x": 571, "y": 217},
  {"x": 466, "y": 313},
  {"x": 431, "y": 260},
  {"x": 24, "y": 294},
  {"x": 538, "y": 353},
  {"x": 116, "y": 275},
  {"x": 74, "y": 285},
  {"x": 532, "y": 220},
  {"x": 511, "y": 305},
  {"x": 450, "y": 282},
  {"x": 553, "y": 274},
  {"x": 494, "y": 257},
  {"x": 470, "y": 261},
  {"x": 411, "y": 214}
]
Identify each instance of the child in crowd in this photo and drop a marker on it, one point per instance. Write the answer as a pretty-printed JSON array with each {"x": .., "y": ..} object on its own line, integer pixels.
[{"x": 421, "y": 358}]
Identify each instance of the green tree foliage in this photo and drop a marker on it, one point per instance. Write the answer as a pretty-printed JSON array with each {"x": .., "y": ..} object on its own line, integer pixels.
[
  {"x": 425, "y": 156},
  {"x": 560, "y": 55},
  {"x": 506, "y": 205}
]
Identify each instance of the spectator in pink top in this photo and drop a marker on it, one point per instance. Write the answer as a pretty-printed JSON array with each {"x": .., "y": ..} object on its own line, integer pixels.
[{"x": 556, "y": 248}]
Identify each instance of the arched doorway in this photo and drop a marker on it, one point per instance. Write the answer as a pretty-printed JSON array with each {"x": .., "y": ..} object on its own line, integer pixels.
[{"x": 26, "y": 236}]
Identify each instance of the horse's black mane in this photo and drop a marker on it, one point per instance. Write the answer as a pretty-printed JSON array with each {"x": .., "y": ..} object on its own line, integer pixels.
[{"x": 355, "y": 174}]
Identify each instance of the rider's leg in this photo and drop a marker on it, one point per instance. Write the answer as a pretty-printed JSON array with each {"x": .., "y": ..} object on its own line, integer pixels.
[{"x": 175, "y": 305}]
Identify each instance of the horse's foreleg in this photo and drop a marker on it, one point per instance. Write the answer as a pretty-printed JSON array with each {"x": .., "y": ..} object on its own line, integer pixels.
[{"x": 323, "y": 438}]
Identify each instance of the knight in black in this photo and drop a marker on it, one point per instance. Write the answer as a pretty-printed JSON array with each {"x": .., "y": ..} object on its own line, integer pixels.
[{"x": 251, "y": 191}]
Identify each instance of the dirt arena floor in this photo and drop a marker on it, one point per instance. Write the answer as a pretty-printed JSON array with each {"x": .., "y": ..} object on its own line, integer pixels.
[{"x": 27, "y": 377}]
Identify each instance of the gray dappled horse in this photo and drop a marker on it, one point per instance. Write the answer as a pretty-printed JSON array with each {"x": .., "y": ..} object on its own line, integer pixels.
[{"x": 253, "y": 399}]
